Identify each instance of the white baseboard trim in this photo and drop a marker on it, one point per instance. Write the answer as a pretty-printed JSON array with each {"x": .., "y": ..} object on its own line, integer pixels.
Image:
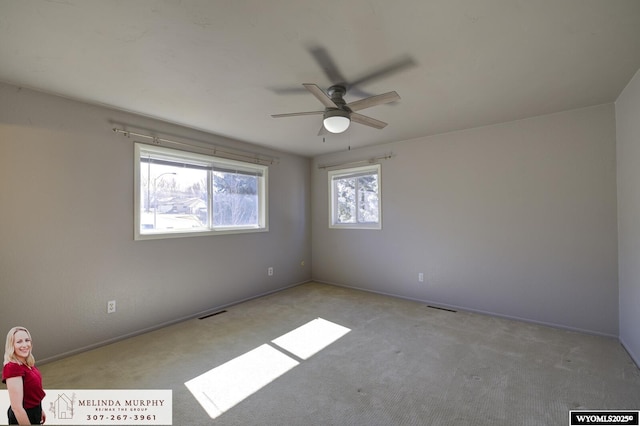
[
  {"x": 162, "y": 325},
  {"x": 476, "y": 311},
  {"x": 633, "y": 356}
]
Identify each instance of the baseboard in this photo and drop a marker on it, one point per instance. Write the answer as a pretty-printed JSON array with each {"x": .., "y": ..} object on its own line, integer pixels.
[
  {"x": 634, "y": 357},
  {"x": 162, "y": 325},
  {"x": 477, "y": 311}
]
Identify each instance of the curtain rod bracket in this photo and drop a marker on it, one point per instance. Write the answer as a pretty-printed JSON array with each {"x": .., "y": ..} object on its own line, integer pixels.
[{"x": 125, "y": 133}]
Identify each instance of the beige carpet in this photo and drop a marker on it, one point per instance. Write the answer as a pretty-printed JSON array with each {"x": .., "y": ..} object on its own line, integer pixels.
[{"x": 387, "y": 362}]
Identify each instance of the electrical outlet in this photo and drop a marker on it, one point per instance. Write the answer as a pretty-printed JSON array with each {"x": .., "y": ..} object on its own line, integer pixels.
[
  {"x": 270, "y": 271},
  {"x": 420, "y": 277},
  {"x": 111, "y": 306}
]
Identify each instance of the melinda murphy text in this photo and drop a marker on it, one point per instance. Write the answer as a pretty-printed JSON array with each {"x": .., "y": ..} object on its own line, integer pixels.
[
  {"x": 123, "y": 403},
  {"x": 105, "y": 406}
]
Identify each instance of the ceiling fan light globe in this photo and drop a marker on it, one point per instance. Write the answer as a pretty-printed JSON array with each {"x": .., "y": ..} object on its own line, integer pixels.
[{"x": 336, "y": 123}]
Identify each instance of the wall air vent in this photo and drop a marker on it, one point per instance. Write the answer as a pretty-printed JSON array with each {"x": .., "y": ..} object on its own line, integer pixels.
[
  {"x": 441, "y": 309},
  {"x": 213, "y": 314}
]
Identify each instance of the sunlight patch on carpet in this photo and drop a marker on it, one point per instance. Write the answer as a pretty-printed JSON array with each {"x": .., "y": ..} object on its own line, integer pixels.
[
  {"x": 225, "y": 386},
  {"x": 311, "y": 338},
  {"x": 222, "y": 387}
]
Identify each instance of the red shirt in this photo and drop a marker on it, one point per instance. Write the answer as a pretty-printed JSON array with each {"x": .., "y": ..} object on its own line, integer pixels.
[{"x": 32, "y": 382}]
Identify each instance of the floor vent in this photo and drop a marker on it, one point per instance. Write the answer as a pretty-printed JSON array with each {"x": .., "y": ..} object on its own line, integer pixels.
[
  {"x": 442, "y": 309},
  {"x": 213, "y": 314}
]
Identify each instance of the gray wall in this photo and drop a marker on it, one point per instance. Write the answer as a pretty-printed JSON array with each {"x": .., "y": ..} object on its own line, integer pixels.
[
  {"x": 66, "y": 230},
  {"x": 628, "y": 144},
  {"x": 516, "y": 219}
]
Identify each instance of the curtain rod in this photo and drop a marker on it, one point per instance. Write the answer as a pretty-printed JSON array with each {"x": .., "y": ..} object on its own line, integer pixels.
[
  {"x": 253, "y": 158},
  {"x": 349, "y": 163}
]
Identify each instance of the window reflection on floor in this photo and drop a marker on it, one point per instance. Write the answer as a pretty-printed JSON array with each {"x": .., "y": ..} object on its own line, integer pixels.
[
  {"x": 311, "y": 338},
  {"x": 222, "y": 387}
]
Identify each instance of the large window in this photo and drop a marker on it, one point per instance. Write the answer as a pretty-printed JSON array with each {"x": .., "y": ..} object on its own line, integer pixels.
[
  {"x": 355, "y": 198},
  {"x": 183, "y": 194}
]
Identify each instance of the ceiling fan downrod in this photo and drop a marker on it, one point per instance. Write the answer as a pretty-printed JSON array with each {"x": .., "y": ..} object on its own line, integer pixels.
[{"x": 336, "y": 93}]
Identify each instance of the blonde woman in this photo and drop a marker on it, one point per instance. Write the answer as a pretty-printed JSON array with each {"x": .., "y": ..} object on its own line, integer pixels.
[{"x": 23, "y": 379}]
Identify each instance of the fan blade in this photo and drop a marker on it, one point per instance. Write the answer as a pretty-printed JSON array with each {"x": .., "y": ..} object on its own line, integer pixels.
[
  {"x": 367, "y": 121},
  {"x": 394, "y": 67},
  {"x": 329, "y": 67},
  {"x": 320, "y": 95},
  {"x": 288, "y": 90},
  {"x": 294, "y": 114},
  {"x": 385, "y": 98},
  {"x": 322, "y": 131}
]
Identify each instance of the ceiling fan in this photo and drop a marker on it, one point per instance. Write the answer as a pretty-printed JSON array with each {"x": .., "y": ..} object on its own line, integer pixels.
[{"x": 338, "y": 114}]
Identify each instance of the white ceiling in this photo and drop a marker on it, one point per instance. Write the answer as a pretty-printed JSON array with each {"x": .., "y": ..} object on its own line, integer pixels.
[{"x": 217, "y": 65}]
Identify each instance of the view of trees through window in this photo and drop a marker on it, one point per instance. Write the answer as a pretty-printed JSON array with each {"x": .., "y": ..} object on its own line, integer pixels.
[
  {"x": 356, "y": 198},
  {"x": 176, "y": 197},
  {"x": 235, "y": 199}
]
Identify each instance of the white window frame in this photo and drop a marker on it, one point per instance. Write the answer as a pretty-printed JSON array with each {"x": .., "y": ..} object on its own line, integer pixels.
[
  {"x": 333, "y": 200},
  {"x": 142, "y": 149}
]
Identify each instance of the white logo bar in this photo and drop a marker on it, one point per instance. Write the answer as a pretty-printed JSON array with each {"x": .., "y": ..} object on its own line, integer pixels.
[{"x": 104, "y": 406}]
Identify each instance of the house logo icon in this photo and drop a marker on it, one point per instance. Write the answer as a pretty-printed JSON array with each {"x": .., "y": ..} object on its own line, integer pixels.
[{"x": 62, "y": 407}]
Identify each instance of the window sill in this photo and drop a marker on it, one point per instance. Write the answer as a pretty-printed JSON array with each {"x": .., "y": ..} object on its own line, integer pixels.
[{"x": 199, "y": 233}]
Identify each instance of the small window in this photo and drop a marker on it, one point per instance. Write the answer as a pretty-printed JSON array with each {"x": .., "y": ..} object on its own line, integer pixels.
[
  {"x": 180, "y": 194},
  {"x": 355, "y": 198}
]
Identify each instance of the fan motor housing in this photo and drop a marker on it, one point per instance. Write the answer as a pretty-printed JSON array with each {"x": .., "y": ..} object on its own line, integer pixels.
[{"x": 336, "y": 93}]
